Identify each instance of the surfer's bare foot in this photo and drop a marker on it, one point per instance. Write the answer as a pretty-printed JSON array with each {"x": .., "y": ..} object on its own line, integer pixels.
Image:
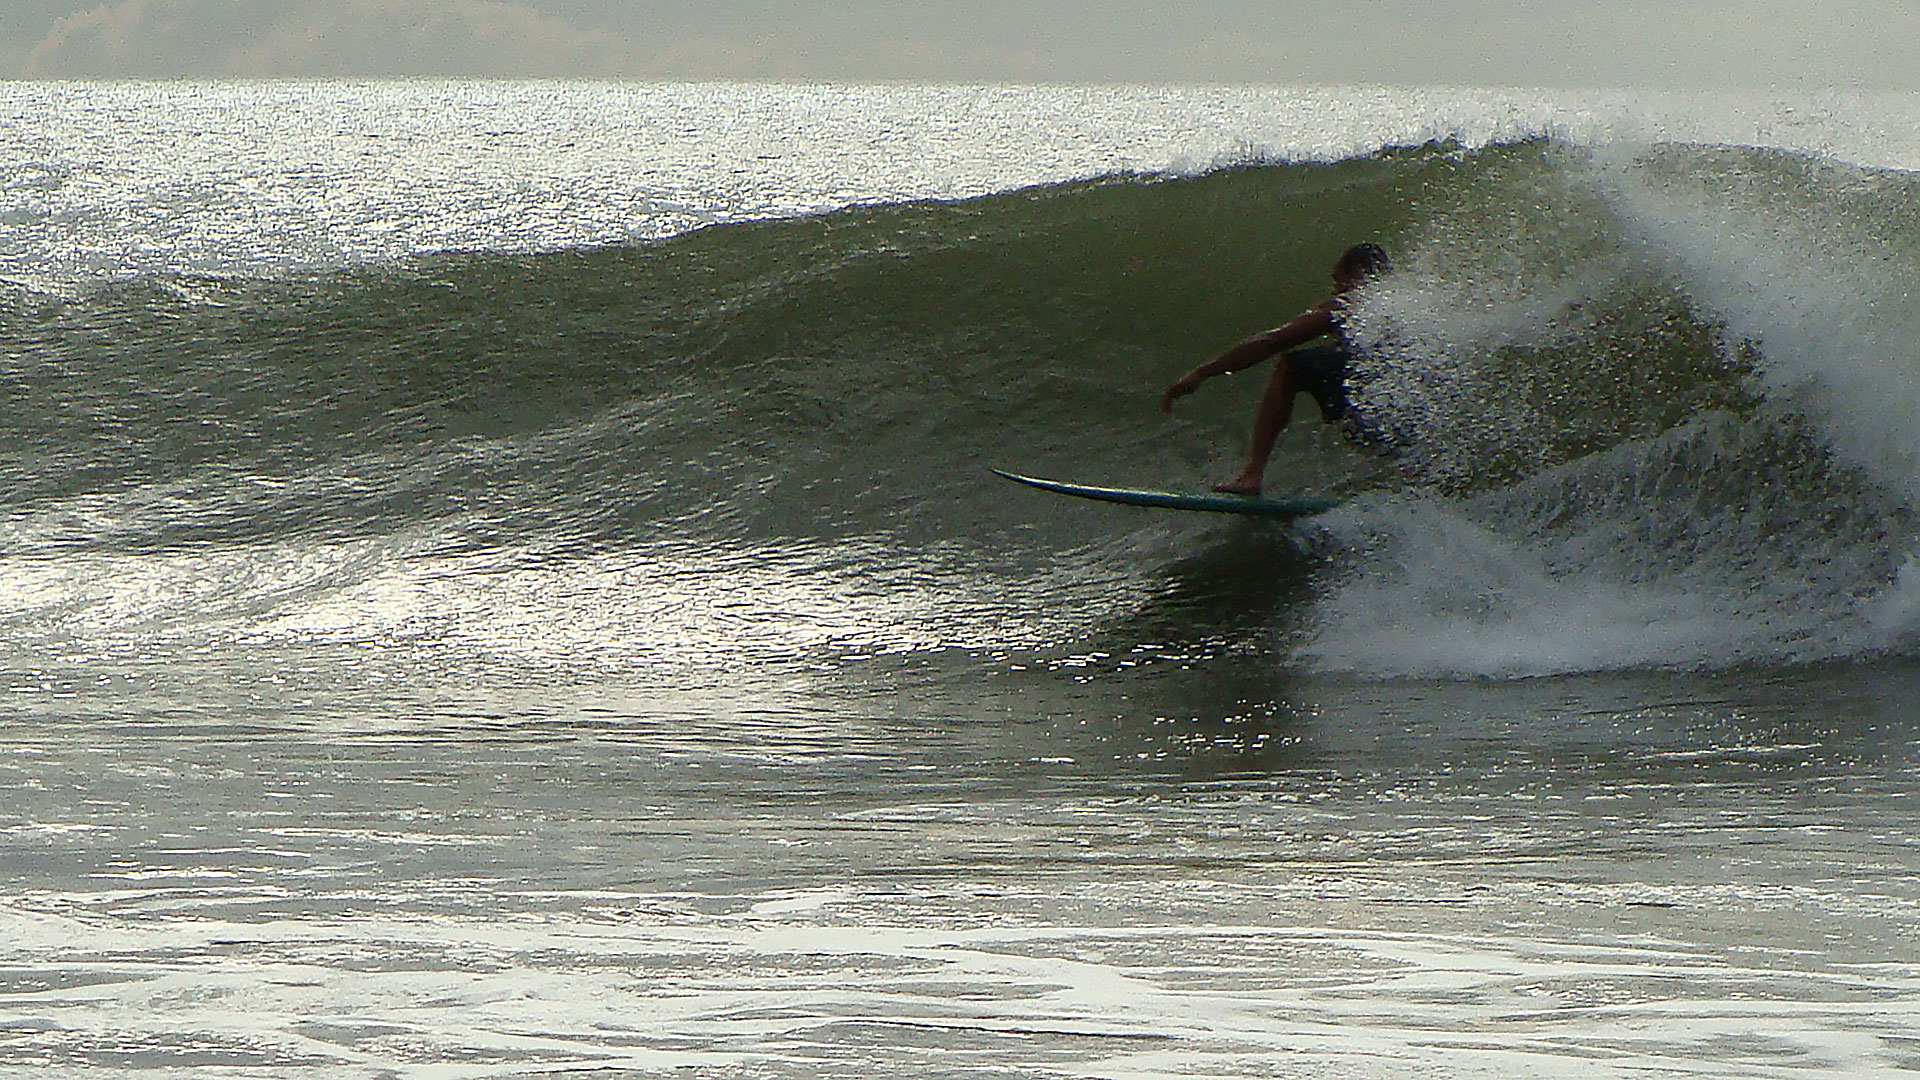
[{"x": 1238, "y": 486}]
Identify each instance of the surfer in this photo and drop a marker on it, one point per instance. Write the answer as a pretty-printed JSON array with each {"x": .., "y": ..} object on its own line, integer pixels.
[{"x": 1320, "y": 371}]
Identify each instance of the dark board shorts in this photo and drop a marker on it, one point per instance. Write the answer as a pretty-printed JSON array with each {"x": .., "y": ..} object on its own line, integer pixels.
[{"x": 1322, "y": 373}]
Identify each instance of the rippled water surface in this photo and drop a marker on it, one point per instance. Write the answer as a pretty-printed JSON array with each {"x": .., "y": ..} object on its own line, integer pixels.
[{"x": 1094, "y": 870}]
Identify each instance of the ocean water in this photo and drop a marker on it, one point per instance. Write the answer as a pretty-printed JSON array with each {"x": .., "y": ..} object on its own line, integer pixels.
[{"x": 503, "y": 580}]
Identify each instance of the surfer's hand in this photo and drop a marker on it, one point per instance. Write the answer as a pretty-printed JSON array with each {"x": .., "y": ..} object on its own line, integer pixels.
[{"x": 1177, "y": 390}]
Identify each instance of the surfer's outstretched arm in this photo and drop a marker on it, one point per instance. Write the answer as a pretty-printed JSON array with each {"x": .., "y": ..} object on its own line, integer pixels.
[{"x": 1251, "y": 351}]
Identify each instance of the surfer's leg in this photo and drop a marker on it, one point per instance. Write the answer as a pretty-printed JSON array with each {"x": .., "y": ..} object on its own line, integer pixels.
[{"x": 1276, "y": 409}]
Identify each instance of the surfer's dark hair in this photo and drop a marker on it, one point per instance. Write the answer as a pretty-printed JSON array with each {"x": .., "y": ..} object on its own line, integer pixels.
[{"x": 1365, "y": 261}]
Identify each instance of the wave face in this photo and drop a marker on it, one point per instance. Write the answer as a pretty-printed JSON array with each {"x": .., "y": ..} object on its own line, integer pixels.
[{"x": 1663, "y": 401}]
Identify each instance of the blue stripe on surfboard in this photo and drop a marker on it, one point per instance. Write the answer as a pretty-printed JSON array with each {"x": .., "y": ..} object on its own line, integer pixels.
[{"x": 1283, "y": 506}]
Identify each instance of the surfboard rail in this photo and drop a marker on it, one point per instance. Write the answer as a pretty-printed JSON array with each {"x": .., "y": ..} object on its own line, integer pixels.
[{"x": 1284, "y": 506}]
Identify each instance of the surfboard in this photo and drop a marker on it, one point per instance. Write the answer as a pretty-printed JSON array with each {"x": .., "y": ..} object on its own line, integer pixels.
[{"x": 1284, "y": 506}]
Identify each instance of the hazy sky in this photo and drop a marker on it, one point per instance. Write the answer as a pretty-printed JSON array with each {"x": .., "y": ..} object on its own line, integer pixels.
[{"x": 1786, "y": 44}]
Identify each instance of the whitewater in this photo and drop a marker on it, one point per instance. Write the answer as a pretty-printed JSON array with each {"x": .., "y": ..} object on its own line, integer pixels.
[{"x": 505, "y": 580}]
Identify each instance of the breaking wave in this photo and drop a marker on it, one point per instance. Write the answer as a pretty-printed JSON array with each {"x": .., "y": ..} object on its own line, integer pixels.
[{"x": 1663, "y": 401}]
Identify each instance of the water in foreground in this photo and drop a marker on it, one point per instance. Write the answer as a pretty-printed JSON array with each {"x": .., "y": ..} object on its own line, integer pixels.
[{"x": 1168, "y": 863}]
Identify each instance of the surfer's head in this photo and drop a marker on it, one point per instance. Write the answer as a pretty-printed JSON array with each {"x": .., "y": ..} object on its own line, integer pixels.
[{"x": 1359, "y": 264}]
